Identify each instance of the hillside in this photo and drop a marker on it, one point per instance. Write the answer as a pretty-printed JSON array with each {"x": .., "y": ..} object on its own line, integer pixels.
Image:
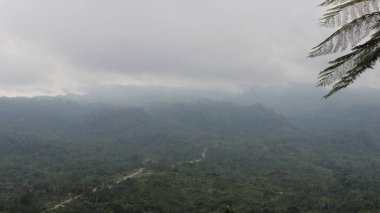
[{"x": 198, "y": 156}]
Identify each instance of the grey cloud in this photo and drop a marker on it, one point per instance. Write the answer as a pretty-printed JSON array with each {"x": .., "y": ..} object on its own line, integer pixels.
[{"x": 198, "y": 43}]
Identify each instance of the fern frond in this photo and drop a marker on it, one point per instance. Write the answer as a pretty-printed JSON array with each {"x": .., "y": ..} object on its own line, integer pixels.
[
  {"x": 341, "y": 14},
  {"x": 348, "y": 35},
  {"x": 357, "y": 19},
  {"x": 347, "y": 68},
  {"x": 333, "y": 2}
]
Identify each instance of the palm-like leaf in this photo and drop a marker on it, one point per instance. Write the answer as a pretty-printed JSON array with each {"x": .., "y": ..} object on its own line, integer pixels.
[
  {"x": 350, "y": 34},
  {"x": 343, "y": 13},
  {"x": 357, "y": 19},
  {"x": 348, "y": 67}
]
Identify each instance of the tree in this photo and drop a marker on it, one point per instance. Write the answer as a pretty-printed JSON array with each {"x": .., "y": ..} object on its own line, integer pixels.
[
  {"x": 228, "y": 210},
  {"x": 358, "y": 23},
  {"x": 293, "y": 210}
]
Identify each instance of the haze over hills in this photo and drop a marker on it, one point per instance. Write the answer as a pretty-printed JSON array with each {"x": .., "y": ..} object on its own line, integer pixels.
[
  {"x": 353, "y": 108},
  {"x": 190, "y": 151},
  {"x": 174, "y": 106},
  {"x": 291, "y": 99}
]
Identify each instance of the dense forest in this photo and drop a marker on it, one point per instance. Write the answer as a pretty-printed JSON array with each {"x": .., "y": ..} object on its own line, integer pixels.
[{"x": 229, "y": 153}]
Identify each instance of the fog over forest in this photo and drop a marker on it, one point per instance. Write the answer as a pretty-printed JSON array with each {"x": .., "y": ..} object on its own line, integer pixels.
[
  {"x": 201, "y": 106},
  {"x": 162, "y": 149}
]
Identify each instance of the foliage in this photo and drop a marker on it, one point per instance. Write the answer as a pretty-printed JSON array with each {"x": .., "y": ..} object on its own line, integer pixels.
[
  {"x": 257, "y": 160},
  {"x": 357, "y": 20}
]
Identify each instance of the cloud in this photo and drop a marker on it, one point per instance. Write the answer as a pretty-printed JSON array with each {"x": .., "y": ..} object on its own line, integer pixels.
[
  {"x": 27, "y": 69},
  {"x": 56, "y": 47}
]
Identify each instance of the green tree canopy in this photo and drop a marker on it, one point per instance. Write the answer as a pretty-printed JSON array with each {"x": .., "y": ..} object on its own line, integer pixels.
[{"x": 358, "y": 28}]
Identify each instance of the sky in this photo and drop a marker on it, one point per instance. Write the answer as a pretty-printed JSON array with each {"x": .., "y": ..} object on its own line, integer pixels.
[{"x": 68, "y": 46}]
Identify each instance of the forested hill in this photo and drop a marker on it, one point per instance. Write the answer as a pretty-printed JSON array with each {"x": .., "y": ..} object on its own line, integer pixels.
[
  {"x": 199, "y": 155},
  {"x": 68, "y": 116}
]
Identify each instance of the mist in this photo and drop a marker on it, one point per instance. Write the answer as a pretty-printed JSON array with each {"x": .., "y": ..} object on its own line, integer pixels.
[{"x": 179, "y": 106}]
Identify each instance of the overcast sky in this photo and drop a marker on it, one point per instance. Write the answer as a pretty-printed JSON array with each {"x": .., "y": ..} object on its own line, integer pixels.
[{"x": 65, "y": 46}]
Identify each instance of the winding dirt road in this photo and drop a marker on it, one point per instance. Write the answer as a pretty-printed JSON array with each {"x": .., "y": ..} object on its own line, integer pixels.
[
  {"x": 119, "y": 180},
  {"x": 124, "y": 178}
]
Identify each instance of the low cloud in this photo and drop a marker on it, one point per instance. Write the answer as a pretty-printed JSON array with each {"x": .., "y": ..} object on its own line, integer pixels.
[{"x": 58, "y": 47}]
